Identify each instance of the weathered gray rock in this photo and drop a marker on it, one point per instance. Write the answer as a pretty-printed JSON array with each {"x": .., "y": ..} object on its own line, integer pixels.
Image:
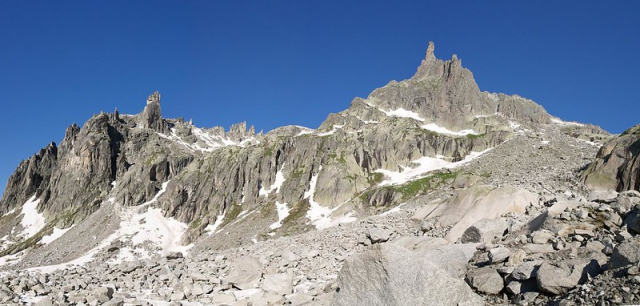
[
  {"x": 526, "y": 270},
  {"x": 616, "y": 165},
  {"x": 298, "y": 299},
  {"x": 378, "y": 235},
  {"x": 633, "y": 221},
  {"x": 246, "y": 273},
  {"x": 518, "y": 287},
  {"x": 174, "y": 255},
  {"x": 486, "y": 280},
  {"x": 541, "y": 236},
  {"x": 452, "y": 258},
  {"x": 390, "y": 275},
  {"x": 498, "y": 255},
  {"x": 485, "y": 231},
  {"x": 560, "y": 277},
  {"x": 220, "y": 299},
  {"x": 625, "y": 253},
  {"x": 516, "y": 257},
  {"x": 278, "y": 283},
  {"x": 103, "y": 294}
]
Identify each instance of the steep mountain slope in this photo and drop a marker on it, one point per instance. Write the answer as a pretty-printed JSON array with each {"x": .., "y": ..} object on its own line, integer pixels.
[{"x": 430, "y": 154}]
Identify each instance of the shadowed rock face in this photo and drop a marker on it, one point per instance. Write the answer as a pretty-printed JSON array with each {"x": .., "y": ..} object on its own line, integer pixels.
[
  {"x": 211, "y": 172},
  {"x": 617, "y": 165}
]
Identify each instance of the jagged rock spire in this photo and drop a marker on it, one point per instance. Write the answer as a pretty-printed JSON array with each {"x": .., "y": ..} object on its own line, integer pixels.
[
  {"x": 152, "y": 115},
  {"x": 429, "y": 63},
  {"x": 430, "y": 56},
  {"x": 153, "y": 98}
]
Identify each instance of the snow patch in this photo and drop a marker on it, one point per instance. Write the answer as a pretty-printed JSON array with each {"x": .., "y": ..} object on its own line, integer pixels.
[
  {"x": 304, "y": 130},
  {"x": 242, "y": 215},
  {"x": 57, "y": 233},
  {"x": 403, "y": 113},
  {"x": 11, "y": 259},
  {"x": 367, "y": 121},
  {"x": 276, "y": 184},
  {"x": 9, "y": 212},
  {"x": 425, "y": 165},
  {"x": 559, "y": 121},
  {"x": 205, "y": 142},
  {"x": 442, "y": 130},
  {"x": 32, "y": 221},
  {"x": 283, "y": 212},
  {"x": 493, "y": 96},
  {"x": 588, "y": 142},
  {"x": 393, "y": 210},
  {"x": 320, "y": 215},
  {"x": 514, "y": 125},
  {"x": 211, "y": 228},
  {"x": 335, "y": 128},
  {"x": 150, "y": 227}
]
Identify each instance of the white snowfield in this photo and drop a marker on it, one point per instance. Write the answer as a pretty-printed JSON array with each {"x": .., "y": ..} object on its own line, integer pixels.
[
  {"x": 403, "y": 113},
  {"x": 333, "y": 130},
  {"x": 304, "y": 130},
  {"x": 141, "y": 225},
  {"x": 442, "y": 130},
  {"x": 425, "y": 165},
  {"x": 319, "y": 215},
  {"x": 211, "y": 228},
  {"x": 209, "y": 142},
  {"x": 32, "y": 221},
  {"x": 283, "y": 212},
  {"x": 57, "y": 233},
  {"x": 559, "y": 121},
  {"x": 276, "y": 184}
]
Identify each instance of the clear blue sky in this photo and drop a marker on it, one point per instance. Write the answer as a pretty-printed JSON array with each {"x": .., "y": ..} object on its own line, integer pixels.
[{"x": 274, "y": 63}]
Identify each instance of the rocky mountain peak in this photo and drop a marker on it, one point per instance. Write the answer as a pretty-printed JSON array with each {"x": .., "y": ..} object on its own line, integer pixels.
[
  {"x": 154, "y": 98},
  {"x": 151, "y": 117},
  {"x": 430, "y": 56}
]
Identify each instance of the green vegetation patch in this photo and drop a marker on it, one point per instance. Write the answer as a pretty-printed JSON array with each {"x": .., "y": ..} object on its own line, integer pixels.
[
  {"x": 268, "y": 152},
  {"x": 375, "y": 178},
  {"x": 296, "y": 222},
  {"x": 634, "y": 130},
  {"x": 475, "y": 136},
  {"x": 232, "y": 214},
  {"x": 424, "y": 185}
]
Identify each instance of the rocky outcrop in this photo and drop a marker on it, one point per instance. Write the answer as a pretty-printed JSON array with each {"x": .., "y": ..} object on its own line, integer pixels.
[
  {"x": 617, "y": 165},
  {"x": 392, "y": 275}
]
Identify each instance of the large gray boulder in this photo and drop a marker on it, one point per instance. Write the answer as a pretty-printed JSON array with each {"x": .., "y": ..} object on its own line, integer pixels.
[
  {"x": 560, "y": 277},
  {"x": 246, "y": 273},
  {"x": 278, "y": 283},
  {"x": 452, "y": 258},
  {"x": 486, "y": 280},
  {"x": 616, "y": 165},
  {"x": 625, "y": 253},
  {"x": 388, "y": 275},
  {"x": 485, "y": 230}
]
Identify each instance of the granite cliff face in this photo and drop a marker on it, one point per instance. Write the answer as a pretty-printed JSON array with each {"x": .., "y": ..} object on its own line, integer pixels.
[{"x": 616, "y": 166}]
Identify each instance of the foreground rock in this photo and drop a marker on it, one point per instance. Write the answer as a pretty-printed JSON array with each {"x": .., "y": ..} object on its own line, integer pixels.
[
  {"x": 617, "y": 165},
  {"x": 558, "y": 278},
  {"x": 391, "y": 275}
]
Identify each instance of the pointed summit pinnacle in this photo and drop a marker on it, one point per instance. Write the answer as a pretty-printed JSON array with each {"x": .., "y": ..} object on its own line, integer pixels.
[
  {"x": 152, "y": 115},
  {"x": 153, "y": 98},
  {"x": 428, "y": 64},
  {"x": 430, "y": 56}
]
